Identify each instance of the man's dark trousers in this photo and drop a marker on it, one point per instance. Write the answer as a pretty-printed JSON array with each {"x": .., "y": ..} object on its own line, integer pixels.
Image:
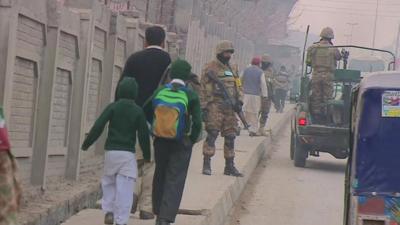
[
  {"x": 280, "y": 98},
  {"x": 172, "y": 162}
]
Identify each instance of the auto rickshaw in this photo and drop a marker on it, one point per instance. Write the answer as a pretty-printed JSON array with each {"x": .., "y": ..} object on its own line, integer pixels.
[{"x": 372, "y": 186}]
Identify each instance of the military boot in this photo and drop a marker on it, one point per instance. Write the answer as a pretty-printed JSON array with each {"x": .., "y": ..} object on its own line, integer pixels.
[
  {"x": 109, "y": 218},
  {"x": 230, "y": 169},
  {"x": 207, "y": 166}
]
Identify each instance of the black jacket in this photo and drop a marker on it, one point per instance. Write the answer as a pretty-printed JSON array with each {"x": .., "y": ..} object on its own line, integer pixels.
[{"x": 147, "y": 67}]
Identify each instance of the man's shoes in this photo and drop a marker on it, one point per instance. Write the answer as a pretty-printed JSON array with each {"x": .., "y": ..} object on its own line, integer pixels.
[
  {"x": 253, "y": 134},
  {"x": 230, "y": 169},
  {"x": 109, "y": 218},
  {"x": 144, "y": 215},
  {"x": 162, "y": 222},
  {"x": 207, "y": 166}
]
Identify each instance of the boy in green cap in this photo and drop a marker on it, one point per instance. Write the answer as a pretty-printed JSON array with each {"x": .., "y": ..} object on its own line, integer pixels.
[
  {"x": 126, "y": 120},
  {"x": 176, "y": 127}
]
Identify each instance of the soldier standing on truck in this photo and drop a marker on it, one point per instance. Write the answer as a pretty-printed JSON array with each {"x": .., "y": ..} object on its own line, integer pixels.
[
  {"x": 220, "y": 117},
  {"x": 266, "y": 66},
  {"x": 323, "y": 62}
]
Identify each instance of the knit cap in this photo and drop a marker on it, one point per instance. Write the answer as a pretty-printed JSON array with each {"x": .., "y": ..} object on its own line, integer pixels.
[{"x": 180, "y": 69}]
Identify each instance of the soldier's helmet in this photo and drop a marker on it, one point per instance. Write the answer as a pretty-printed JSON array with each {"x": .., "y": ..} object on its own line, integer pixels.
[
  {"x": 224, "y": 46},
  {"x": 327, "y": 32},
  {"x": 266, "y": 58}
]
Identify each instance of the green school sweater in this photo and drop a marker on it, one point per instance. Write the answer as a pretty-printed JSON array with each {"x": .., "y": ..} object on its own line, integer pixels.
[{"x": 125, "y": 119}]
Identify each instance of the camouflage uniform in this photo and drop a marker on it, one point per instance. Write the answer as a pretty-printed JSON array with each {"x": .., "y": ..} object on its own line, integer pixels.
[
  {"x": 219, "y": 117},
  {"x": 10, "y": 191},
  {"x": 266, "y": 102},
  {"x": 323, "y": 61}
]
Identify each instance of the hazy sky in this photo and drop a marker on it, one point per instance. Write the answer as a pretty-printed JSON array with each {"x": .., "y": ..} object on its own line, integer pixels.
[{"x": 337, "y": 13}]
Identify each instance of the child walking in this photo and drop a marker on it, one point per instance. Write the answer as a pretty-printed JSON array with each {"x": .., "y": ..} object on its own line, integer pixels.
[
  {"x": 126, "y": 120},
  {"x": 176, "y": 127}
]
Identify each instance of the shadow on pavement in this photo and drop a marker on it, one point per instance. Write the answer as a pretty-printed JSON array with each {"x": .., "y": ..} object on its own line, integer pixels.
[{"x": 334, "y": 167}]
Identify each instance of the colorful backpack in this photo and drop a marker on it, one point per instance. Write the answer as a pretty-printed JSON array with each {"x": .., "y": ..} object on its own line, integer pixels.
[{"x": 170, "y": 112}]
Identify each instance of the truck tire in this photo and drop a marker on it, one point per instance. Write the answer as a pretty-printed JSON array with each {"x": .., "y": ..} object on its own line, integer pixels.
[{"x": 300, "y": 154}]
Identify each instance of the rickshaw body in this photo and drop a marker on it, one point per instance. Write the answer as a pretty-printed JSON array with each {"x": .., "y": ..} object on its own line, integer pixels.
[{"x": 372, "y": 187}]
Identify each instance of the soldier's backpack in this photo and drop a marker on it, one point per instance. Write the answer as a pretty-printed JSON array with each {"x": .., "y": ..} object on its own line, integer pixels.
[{"x": 170, "y": 112}]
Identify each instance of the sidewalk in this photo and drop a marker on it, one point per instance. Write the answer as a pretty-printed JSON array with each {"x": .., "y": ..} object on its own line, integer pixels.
[{"x": 211, "y": 197}]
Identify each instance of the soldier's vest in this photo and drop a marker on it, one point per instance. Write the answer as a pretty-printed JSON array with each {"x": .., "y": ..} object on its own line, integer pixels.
[
  {"x": 252, "y": 80},
  {"x": 229, "y": 80},
  {"x": 323, "y": 59}
]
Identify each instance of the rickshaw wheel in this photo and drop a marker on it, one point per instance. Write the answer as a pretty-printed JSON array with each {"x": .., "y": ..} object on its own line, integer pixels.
[
  {"x": 300, "y": 154},
  {"x": 292, "y": 145}
]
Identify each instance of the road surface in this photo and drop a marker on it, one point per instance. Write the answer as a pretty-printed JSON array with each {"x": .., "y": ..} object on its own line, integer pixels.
[{"x": 281, "y": 194}]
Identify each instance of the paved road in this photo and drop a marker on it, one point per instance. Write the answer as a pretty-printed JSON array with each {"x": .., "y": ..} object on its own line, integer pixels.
[{"x": 280, "y": 194}]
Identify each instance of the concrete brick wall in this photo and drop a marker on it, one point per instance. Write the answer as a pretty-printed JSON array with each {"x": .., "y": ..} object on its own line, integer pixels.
[
  {"x": 23, "y": 102},
  {"x": 29, "y": 50}
]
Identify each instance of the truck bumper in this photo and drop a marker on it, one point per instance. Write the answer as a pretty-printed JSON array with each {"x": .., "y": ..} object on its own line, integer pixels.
[{"x": 326, "y": 139}]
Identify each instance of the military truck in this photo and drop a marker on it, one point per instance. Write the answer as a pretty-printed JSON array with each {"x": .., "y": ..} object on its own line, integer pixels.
[{"x": 308, "y": 138}]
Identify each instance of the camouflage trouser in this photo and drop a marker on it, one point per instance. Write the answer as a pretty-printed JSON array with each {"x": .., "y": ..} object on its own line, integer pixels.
[
  {"x": 264, "y": 111},
  {"x": 321, "y": 92},
  {"x": 10, "y": 191},
  {"x": 220, "y": 119}
]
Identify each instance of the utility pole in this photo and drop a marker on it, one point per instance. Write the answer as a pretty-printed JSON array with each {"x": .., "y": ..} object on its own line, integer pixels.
[
  {"x": 397, "y": 42},
  {"x": 146, "y": 15},
  {"x": 351, "y": 31},
  {"x": 376, "y": 23}
]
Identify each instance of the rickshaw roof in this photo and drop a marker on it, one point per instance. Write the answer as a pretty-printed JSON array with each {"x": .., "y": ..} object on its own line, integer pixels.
[{"x": 389, "y": 79}]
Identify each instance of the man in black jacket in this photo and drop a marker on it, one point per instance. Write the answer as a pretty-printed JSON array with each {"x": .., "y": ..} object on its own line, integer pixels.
[{"x": 147, "y": 67}]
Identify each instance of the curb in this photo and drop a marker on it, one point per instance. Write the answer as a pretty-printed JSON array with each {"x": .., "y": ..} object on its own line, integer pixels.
[
  {"x": 60, "y": 213},
  {"x": 220, "y": 212}
]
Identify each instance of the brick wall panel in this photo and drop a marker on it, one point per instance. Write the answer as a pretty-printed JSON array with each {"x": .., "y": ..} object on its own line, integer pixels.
[
  {"x": 120, "y": 52},
  {"x": 99, "y": 43},
  {"x": 60, "y": 109},
  {"x": 116, "y": 76},
  {"x": 23, "y": 100},
  {"x": 93, "y": 93}
]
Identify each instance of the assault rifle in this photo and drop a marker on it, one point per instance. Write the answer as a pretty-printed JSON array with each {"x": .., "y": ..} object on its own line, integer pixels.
[{"x": 232, "y": 102}]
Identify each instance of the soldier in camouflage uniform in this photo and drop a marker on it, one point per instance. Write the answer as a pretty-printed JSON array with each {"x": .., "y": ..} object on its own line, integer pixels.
[
  {"x": 10, "y": 191},
  {"x": 324, "y": 62},
  {"x": 219, "y": 117},
  {"x": 266, "y": 66}
]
